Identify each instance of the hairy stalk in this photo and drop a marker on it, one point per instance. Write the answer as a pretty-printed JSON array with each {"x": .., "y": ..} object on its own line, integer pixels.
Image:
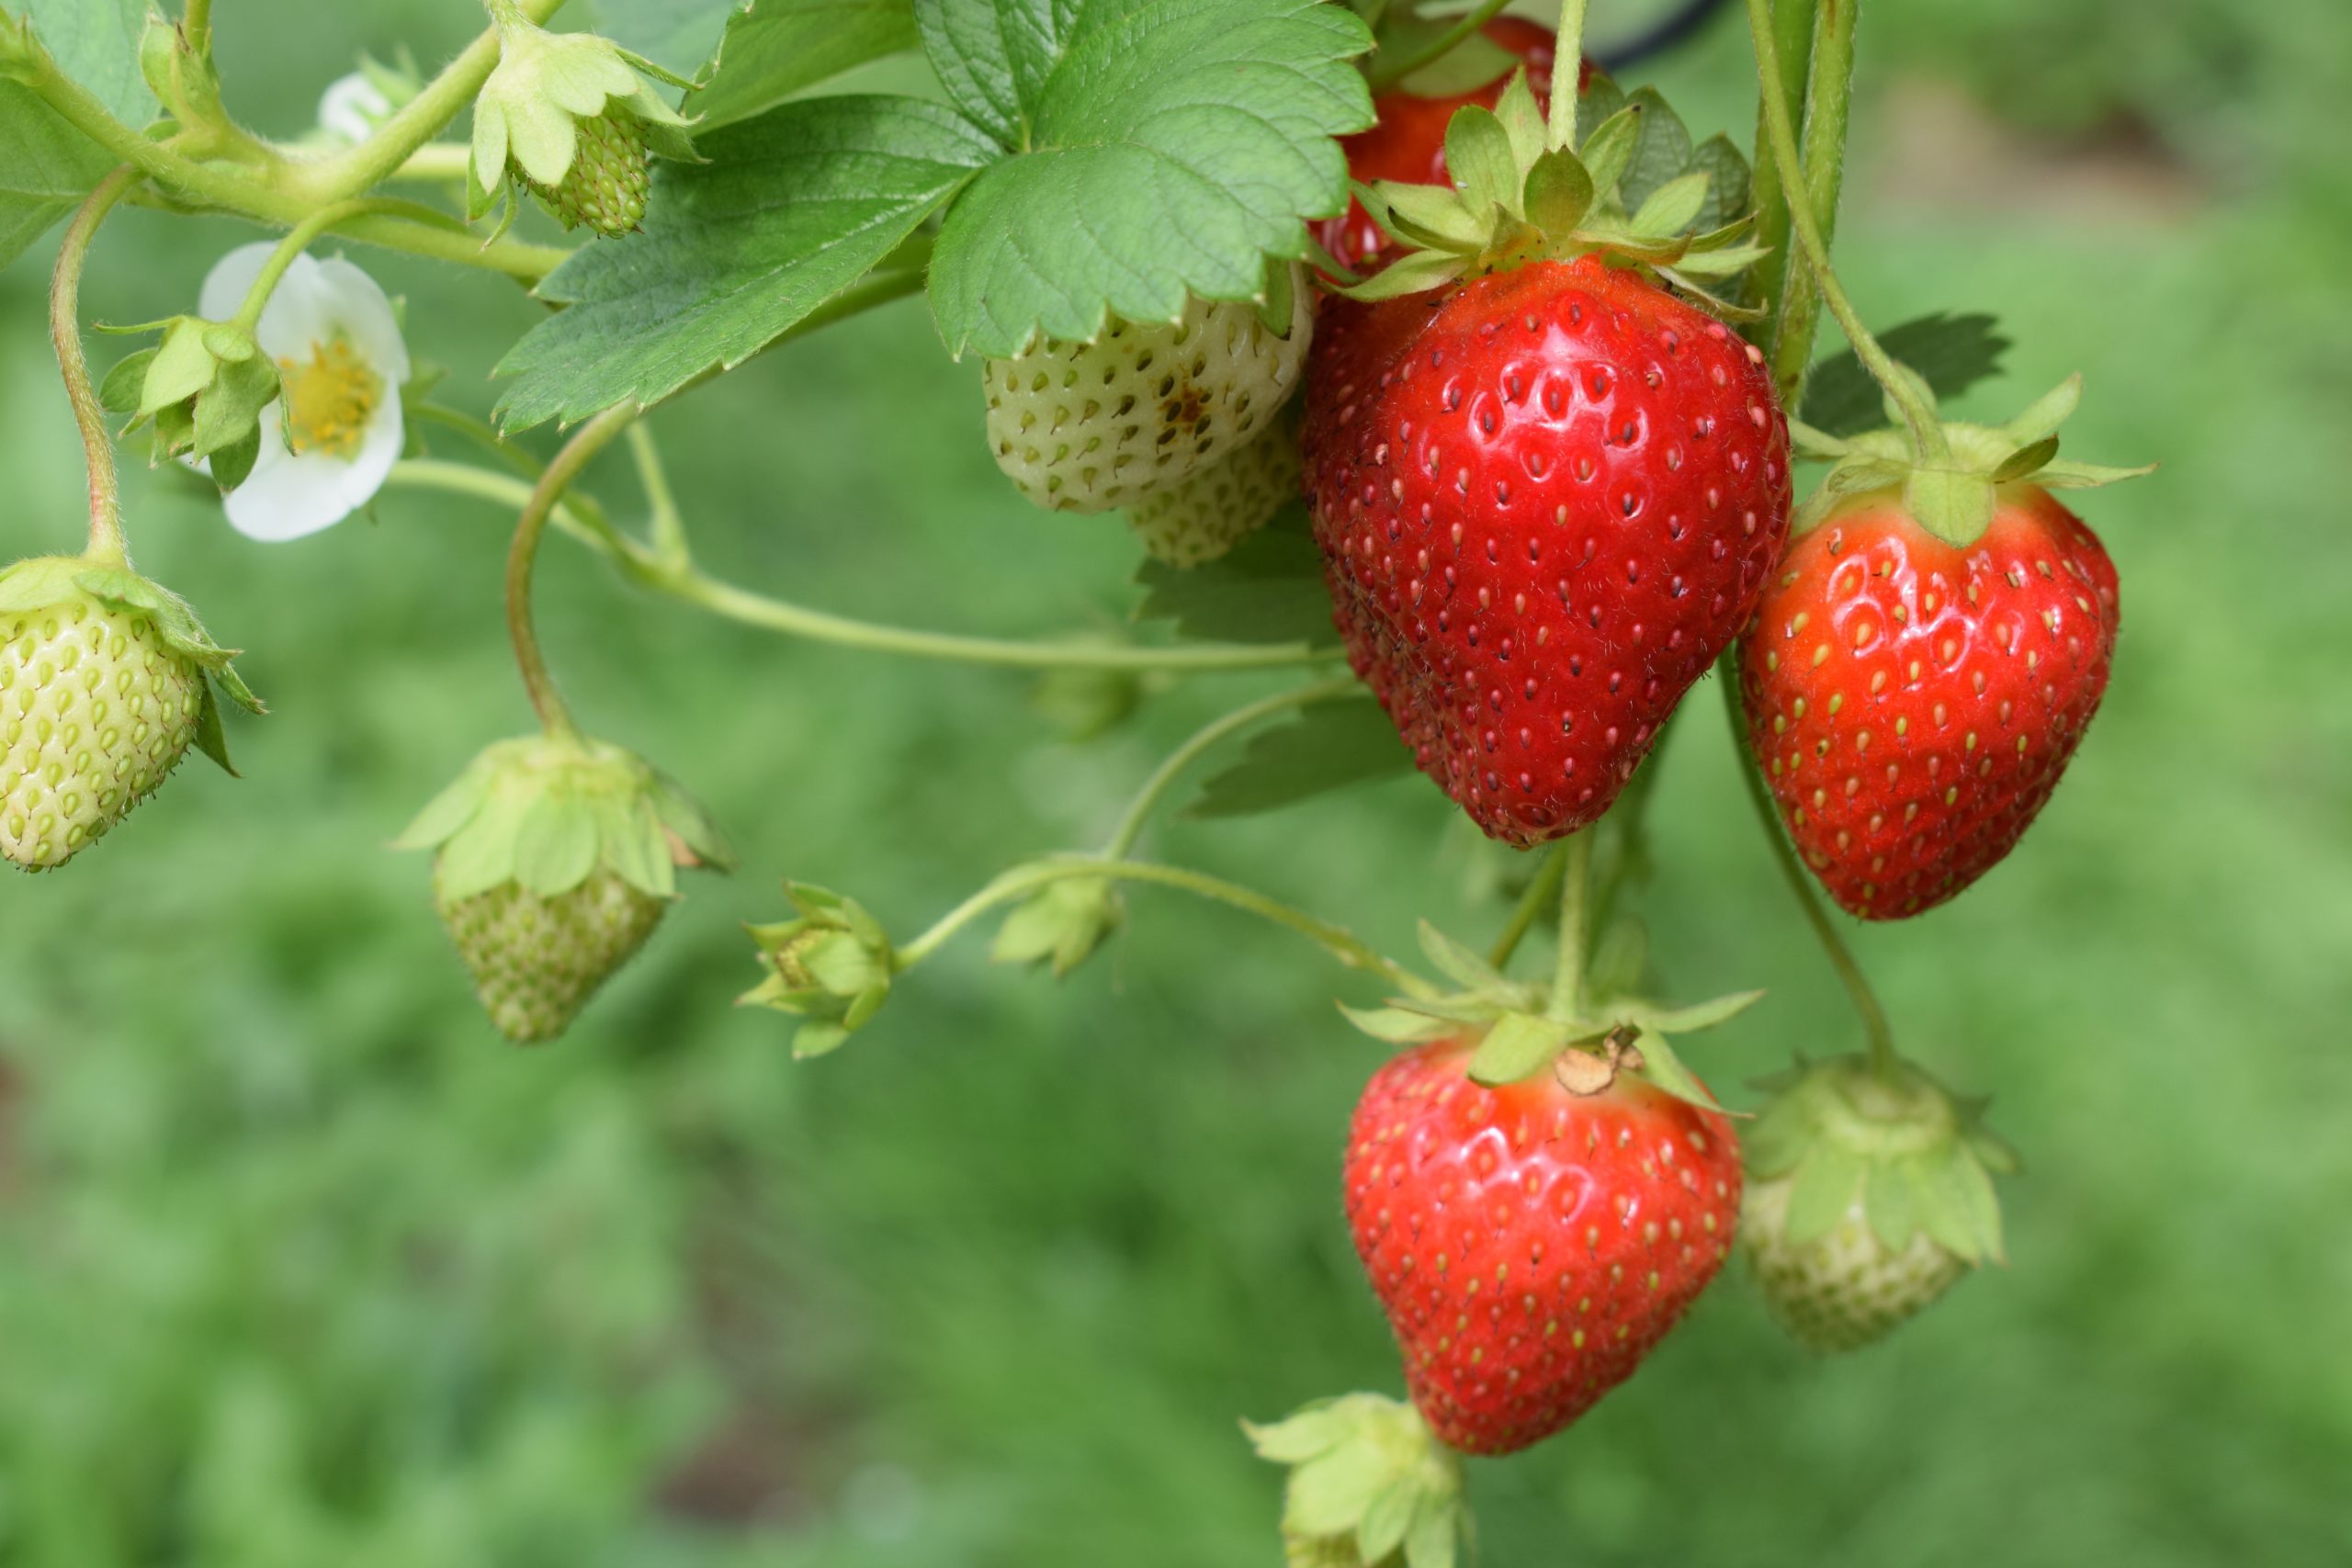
[
  {"x": 1131, "y": 825},
  {"x": 1382, "y": 78},
  {"x": 1816, "y": 915},
  {"x": 1568, "y": 57},
  {"x": 1828, "y": 99},
  {"x": 1542, "y": 889},
  {"x": 1575, "y": 904},
  {"x": 1336, "y": 941},
  {"x": 692, "y": 586},
  {"x": 1926, "y": 433},
  {"x": 1768, "y": 280},
  {"x": 590, "y": 439},
  {"x": 65, "y": 334}
]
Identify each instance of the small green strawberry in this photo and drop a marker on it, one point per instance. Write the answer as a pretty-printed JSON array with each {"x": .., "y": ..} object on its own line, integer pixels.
[
  {"x": 605, "y": 186},
  {"x": 571, "y": 117},
  {"x": 1370, "y": 1488},
  {"x": 830, "y": 966},
  {"x": 1198, "y": 519},
  {"x": 1090, "y": 426},
  {"x": 104, "y": 681},
  {"x": 558, "y": 858},
  {"x": 1870, "y": 1195}
]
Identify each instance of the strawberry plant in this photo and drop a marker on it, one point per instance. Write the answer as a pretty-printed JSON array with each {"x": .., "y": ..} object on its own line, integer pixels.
[{"x": 1458, "y": 392}]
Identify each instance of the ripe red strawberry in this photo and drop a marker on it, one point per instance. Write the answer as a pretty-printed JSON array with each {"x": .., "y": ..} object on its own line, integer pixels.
[
  {"x": 1547, "y": 499},
  {"x": 1408, "y": 144},
  {"x": 1530, "y": 1245},
  {"x": 1913, "y": 701}
]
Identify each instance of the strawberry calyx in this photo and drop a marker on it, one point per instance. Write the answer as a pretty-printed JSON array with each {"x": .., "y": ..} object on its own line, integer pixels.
[
  {"x": 1519, "y": 200},
  {"x": 1520, "y": 1035},
  {"x": 1917, "y": 1157},
  {"x": 1370, "y": 1485},
  {"x": 547, "y": 812},
  {"x": 830, "y": 966},
  {"x": 40, "y": 582},
  {"x": 1951, "y": 487}
]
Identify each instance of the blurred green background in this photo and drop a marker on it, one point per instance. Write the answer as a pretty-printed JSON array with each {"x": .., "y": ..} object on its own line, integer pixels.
[{"x": 300, "y": 1266}]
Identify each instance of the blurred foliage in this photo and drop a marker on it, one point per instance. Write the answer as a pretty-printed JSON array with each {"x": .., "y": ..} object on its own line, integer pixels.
[{"x": 298, "y": 1265}]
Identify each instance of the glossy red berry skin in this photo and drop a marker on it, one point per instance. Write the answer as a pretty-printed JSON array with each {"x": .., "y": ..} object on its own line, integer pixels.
[
  {"x": 1913, "y": 703},
  {"x": 1547, "y": 500},
  {"x": 1531, "y": 1246},
  {"x": 1408, "y": 144}
]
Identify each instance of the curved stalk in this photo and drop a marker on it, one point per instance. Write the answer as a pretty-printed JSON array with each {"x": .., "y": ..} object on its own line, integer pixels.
[
  {"x": 105, "y": 545},
  {"x": 1926, "y": 432},
  {"x": 296, "y": 240},
  {"x": 1131, "y": 825},
  {"x": 523, "y": 555},
  {"x": 1875, "y": 1027},
  {"x": 1828, "y": 96},
  {"x": 1340, "y": 943}
]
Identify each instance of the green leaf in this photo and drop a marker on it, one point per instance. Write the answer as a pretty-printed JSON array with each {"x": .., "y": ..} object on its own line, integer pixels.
[
  {"x": 1211, "y": 119},
  {"x": 46, "y": 168},
  {"x": 95, "y": 42},
  {"x": 776, "y": 48},
  {"x": 1727, "y": 182},
  {"x": 1660, "y": 152},
  {"x": 677, "y": 35},
  {"x": 1478, "y": 159},
  {"x": 1267, "y": 588},
  {"x": 1329, "y": 746},
  {"x": 1950, "y": 353},
  {"x": 1517, "y": 1047},
  {"x": 790, "y": 210}
]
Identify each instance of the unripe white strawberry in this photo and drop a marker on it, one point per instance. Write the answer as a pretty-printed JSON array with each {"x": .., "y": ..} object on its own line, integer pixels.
[
  {"x": 605, "y": 186},
  {"x": 1089, "y": 427},
  {"x": 102, "y": 688},
  {"x": 1870, "y": 1195},
  {"x": 1198, "y": 519},
  {"x": 558, "y": 858}
]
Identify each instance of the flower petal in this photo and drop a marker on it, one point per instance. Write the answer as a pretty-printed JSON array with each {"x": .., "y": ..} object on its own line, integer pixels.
[
  {"x": 350, "y": 300},
  {"x": 230, "y": 279}
]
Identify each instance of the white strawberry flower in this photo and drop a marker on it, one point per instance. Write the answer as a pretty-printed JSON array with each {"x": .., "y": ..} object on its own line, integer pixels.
[
  {"x": 352, "y": 108},
  {"x": 334, "y": 431}
]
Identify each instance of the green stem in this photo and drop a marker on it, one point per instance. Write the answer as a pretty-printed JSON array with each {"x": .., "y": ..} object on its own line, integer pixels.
[
  {"x": 298, "y": 240},
  {"x": 195, "y": 23},
  {"x": 1018, "y": 883},
  {"x": 435, "y": 161},
  {"x": 1828, "y": 97},
  {"x": 105, "y": 547},
  {"x": 1131, "y": 825},
  {"x": 669, "y": 526},
  {"x": 1816, "y": 915},
  {"x": 1575, "y": 906},
  {"x": 1542, "y": 889},
  {"x": 416, "y": 122},
  {"x": 1926, "y": 432},
  {"x": 590, "y": 439},
  {"x": 1792, "y": 40},
  {"x": 694, "y": 587},
  {"x": 1384, "y": 77},
  {"x": 1569, "y": 58}
]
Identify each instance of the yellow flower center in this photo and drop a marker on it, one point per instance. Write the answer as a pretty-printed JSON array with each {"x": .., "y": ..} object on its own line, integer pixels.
[{"x": 329, "y": 400}]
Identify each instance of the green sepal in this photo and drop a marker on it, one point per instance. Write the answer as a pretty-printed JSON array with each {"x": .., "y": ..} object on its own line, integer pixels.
[
  {"x": 1398, "y": 1027},
  {"x": 1891, "y": 1203},
  {"x": 548, "y": 813},
  {"x": 1061, "y": 924},
  {"x": 1664, "y": 1068},
  {"x": 203, "y": 387},
  {"x": 1368, "y": 1481},
  {"x": 119, "y": 391},
  {"x": 175, "y": 621},
  {"x": 1462, "y": 966},
  {"x": 1825, "y": 1187},
  {"x": 1517, "y": 1047},
  {"x": 1688, "y": 1019}
]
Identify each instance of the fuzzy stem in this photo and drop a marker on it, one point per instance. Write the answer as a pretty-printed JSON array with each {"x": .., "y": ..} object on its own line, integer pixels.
[
  {"x": 1792, "y": 36},
  {"x": 1339, "y": 942},
  {"x": 1542, "y": 889},
  {"x": 1568, "y": 57},
  {"x": 296, "y": 239},
  {"x": 1576, "y": 903},
  {"x": 1828, "y": 100},
  {"x": 1131, "y": 825},
  {"x": 1833, "y": 946},
  {"x": 692, "y": 586},
  {"x": 592, "y": 438},
  {"x": 196, "y": 24},
  {"x": 669, "y": 527},
  {"x": 1384, "y": 77},
  {"x": 106, "y": 546},
  {"x": 1927, "y": 431}
]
